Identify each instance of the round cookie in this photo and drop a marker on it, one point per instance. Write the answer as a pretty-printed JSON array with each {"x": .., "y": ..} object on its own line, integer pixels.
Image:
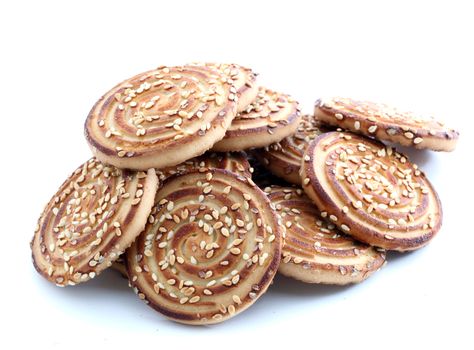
[
  {"x": 386, "y": 123},
  {"x": 161, "y": 117},
  {"x": 284, "y": 158},
  {"x": 233, "y": 161},
  {"x": 242, "y": 78},
  {"x": 94, "y": 216},
  {"x": 269, "y": 118},
  {"x": 314, "y": 251},
  {"x": 371, "y": 191},
  {"x": 210, "y": 249}
]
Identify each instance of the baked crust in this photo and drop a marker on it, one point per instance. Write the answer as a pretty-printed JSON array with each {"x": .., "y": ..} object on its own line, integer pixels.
[
  {"x": 269, "y": 118},
  {"x": 284, "y": 158},
  {"x": 242, "y": 78},
  {"x": 94, "y": 216},
  {"x": 371, "y": 191},
  {"x": 386, "y": 123},
  {"x": 211, "y": 247},
  {"x": 161, "y": 117},
  {"x": 233, "y": 161},
  {"x": 314, "y": 250}
]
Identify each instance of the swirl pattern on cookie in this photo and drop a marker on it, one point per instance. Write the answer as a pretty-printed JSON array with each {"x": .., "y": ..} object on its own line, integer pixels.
[
  {"x": 242, "y": 78},
  {"x": 94, "y": 216},
  {"x": 386, "y": 123},
  {"x": 284, "y": 158},
  {"x": 271, "y": 117},
  {"x": 211, "y": 247},
  {"x": 371, "y": 191},
  {"x": 314, "y": 250},
  {"x": 161, "y": 117}
]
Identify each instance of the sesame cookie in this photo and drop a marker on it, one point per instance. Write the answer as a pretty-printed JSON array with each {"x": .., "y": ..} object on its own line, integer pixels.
[
  {"x": 284, "y": 158},
  {"x": 210, "y": 249},
  {"x": 233, "y": 161},
  {"x": 371, "y": 191},
  {"x": 94, "y": 216},
  {"x": 242, "y": 78},
  {"x": 162, "y": 117},
  {"x": 314, "y": 251},
  {"x": 386, "y": 123},
  {"x": 269, "y": 118}
]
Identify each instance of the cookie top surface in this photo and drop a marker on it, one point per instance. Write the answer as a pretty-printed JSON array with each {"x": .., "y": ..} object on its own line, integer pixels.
[
  {"x": 241, "y": 77},
  {"x": 371, "y": 191},
  {"x": 235, "y": 162},
  {"x": 386, "y": 123},
  {"x": 94, "y": 216},
  {"x": 315, "y": 250},
  {"x": 284, "y": 158},
  {"x": 211, "y": 247},
  {"x": 161, "y": 117},
  {"x": 271, "y": 117}
]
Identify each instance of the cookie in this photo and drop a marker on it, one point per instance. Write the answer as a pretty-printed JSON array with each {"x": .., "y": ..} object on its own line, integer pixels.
[
  {"x": 371, "y": 191},
  {"x": 314, "y": 251},
  {"x": 210, "y": 249},
  {"x": 94, "y": 216},
  {"x": 233, "y": 161},
  {"x": 162, "y": 117},
  {"x": 284, "y": 158},
  {"x": 386, "y": 123},
  {"x": 269, "y": 118},
  {"x": 242, "y": 78}
]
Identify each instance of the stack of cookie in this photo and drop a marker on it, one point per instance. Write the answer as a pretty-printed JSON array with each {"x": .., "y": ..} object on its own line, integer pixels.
[{"x": 200, "y": 234}]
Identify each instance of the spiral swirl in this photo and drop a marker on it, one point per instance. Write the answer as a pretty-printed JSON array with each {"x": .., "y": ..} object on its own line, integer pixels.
[
  {"x": 371, "y": 191},
  {"x": 233, "y": 161},
  {"x": 271, "y": 117},
  {"x": 161, "y": 117},
  {"x": 211, "y": 247},
  {"x": 94, "y": 216},
  {"x": 386, "y": 123},
  {"x": 314, "y": 251},
  {"x": 284, "y": 158},
  {"x": 242, "y": 78}
]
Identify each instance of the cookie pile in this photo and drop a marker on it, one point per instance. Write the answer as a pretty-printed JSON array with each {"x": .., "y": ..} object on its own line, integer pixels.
[{"x": 199, "y": 227}]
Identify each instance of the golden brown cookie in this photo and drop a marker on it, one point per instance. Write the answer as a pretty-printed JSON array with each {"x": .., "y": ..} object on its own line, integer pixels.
[
  {"x": 371, "y": 191},
  {"x": 386, "y": 123},
  {"x": 269, "y": 118},
  {"x": 233, "y": 161},
  {"x": 161, "y": 117},
  {"x": 284, "y": 158},
  {"x": 242, "y": 78},
  {"x": 314, "y": 251},
  {"x": 210, "y": 249},
  {"x": 95, "y": 215}
]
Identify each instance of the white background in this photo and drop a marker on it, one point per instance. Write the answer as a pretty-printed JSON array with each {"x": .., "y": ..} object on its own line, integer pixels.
[{"x": 59, "y": 57}]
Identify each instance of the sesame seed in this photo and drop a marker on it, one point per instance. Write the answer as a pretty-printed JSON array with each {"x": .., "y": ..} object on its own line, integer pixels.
[
  {"x": 418, "y": 140},
  {"x": 372, "y": 129}
]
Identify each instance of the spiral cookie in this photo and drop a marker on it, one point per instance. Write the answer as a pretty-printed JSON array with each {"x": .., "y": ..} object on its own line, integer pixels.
[
  {"x": 162, "y": 117},
  {"x": 284, "y": 158},
  {"x": 314, "y": 250},
  {"x": 386, "y": 123},
  {"x": 211, "y": 247},
  {"x": 269, "y": 118},
  {"x": 233, "y": 161},
  {"x": 242, "y": 78},
  {"x": 371, "y": 191},
  {"x": 95, "y": 215}
]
